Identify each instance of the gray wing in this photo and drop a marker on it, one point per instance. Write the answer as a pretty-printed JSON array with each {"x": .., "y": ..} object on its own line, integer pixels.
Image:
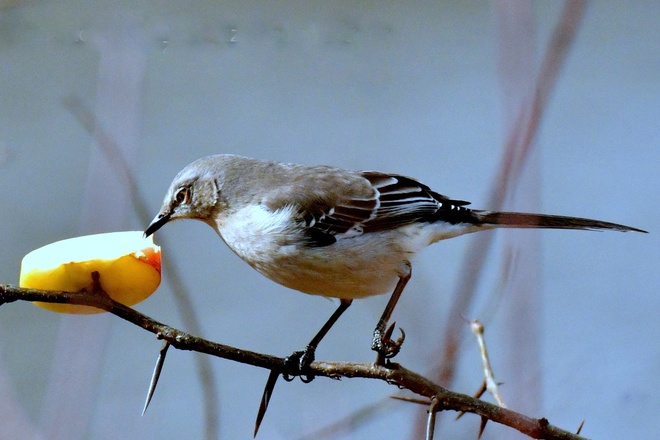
[{"x": 392, "y": 201}]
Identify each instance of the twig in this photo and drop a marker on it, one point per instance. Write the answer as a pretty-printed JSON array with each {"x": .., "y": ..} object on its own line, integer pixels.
[
  {"x": 393, "y": 373},
  {"x": 489, "y": 378}
]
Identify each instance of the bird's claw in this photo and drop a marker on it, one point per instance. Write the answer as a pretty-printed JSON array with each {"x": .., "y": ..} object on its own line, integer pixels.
[
  {"x": 297, "y": 363},
  {"x": 383, "y": 343}
]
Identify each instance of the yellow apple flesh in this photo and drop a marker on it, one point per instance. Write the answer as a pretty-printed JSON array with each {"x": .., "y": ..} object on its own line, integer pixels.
[{"x": 128, "y": 265}]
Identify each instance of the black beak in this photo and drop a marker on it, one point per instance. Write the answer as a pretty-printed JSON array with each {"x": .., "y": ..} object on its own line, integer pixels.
[{"x": 157, "y": 223}]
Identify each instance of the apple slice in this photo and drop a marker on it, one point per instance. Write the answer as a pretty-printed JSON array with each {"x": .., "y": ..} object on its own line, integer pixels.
[{"x": 128, "y": 265}]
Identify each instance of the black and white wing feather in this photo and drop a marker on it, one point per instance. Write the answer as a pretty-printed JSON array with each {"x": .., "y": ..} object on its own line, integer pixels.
[
  {"x": 402, "y": 200},
  {"x": 391, "y": 202}
]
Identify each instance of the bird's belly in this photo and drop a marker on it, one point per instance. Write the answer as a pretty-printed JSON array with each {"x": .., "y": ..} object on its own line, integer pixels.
[
  {"x": 350, "y": 268},
  {"x": 355, "y": 267},
  {"x": 318, "y": 273},
  {"x": 325, "y": 273}
]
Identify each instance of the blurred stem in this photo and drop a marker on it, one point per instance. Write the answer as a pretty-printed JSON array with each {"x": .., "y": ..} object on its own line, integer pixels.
[{"x": 516, "y": 150}]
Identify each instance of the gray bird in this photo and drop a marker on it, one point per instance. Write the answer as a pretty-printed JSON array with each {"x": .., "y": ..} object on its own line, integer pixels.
[{"x": 327, "y": 231}]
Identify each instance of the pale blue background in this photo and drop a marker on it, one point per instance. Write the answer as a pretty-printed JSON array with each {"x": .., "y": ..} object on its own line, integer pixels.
[{"x": 406, "y": 87}]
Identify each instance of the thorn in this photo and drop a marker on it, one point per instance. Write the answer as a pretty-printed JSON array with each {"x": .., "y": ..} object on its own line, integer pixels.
[
  {"x": 480, "y": 392},
  {"x": 580, "y": 427},
  {"x": 411, "y": 400},
  {"x": 430, "y": 422},
  {"x": 265, "y": 399},
  {"x": 156, "y": 374},
  {"x": 482, "y": 426}
]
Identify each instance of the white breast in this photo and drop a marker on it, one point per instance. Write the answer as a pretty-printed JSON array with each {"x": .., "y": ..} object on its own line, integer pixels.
[
  {"x": 353, "y": 267},
  {"x": 255, "y": 233}
]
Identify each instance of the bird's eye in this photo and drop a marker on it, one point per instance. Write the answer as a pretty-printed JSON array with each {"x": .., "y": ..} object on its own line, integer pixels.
[{"x": 182, "y": 196}]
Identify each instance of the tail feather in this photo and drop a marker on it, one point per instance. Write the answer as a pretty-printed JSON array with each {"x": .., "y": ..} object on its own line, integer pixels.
[{"x": 525, "y": 220}]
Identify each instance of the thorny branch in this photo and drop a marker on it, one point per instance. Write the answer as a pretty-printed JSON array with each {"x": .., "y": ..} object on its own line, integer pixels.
[{"x": 439, "y": 398}]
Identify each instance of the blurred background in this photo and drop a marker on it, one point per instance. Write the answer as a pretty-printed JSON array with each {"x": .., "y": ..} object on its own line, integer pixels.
[{"x": 446, "y": 92}]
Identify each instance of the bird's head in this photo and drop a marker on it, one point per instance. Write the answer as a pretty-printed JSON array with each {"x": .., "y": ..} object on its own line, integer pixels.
[{"x": 194, "y": 193}]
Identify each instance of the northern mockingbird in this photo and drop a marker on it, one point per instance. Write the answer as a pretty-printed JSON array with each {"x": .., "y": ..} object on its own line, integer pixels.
[{"x": 327, "y": 231}]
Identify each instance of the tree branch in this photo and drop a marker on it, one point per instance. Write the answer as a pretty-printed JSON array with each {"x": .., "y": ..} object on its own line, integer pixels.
[{"x": 394, "y": 374}]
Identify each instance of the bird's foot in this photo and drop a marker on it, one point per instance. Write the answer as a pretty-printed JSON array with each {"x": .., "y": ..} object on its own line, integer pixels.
[
  {"x": 383, "y": 343},
  {"x": 297, "y": 363}
]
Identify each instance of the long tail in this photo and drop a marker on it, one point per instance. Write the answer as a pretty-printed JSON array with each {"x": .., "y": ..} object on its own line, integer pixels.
[{"x": 524, "y": 220}]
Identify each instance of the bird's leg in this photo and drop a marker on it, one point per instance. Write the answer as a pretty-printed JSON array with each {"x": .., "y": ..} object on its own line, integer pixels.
[
  {"x": 300, "y": 360},
  {"x": 382, "y": 342}
]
